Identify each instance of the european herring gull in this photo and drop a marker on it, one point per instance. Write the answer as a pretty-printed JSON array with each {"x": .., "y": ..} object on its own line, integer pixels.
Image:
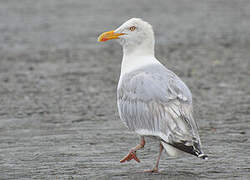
[{"x": 152, "y": 100}]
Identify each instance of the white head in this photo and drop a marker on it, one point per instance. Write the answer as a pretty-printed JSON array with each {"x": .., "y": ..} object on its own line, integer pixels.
[{"x": 135, "y": 36}]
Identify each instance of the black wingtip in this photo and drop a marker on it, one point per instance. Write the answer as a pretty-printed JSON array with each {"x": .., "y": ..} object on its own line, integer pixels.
[{"x": 194, "y": 149}]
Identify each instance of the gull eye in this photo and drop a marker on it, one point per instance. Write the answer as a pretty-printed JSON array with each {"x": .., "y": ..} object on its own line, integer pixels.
[{"x": 132, "y": 28}]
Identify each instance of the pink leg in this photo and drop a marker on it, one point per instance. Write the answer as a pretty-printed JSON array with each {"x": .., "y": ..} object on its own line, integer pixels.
[
  {"x": 155, "y": 169},
  {"x": 132, "y": 152}
]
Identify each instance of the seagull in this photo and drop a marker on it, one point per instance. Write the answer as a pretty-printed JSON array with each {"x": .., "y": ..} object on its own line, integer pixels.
[{"x": 152, "y": 100}]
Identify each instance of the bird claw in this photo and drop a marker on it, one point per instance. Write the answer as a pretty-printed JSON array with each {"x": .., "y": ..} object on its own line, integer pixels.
[
  {"x": 155, "y": 170},
  {"x": 130, "y": 156}
]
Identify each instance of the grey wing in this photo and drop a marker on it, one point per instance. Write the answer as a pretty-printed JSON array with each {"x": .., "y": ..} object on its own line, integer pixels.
[{"x": 158, "y": 103}]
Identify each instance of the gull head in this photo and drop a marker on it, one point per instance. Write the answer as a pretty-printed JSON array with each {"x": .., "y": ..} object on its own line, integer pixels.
[{"x": 135, "y": 36}]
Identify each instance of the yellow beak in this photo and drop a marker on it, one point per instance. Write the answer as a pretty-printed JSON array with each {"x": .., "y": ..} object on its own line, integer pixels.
[{"x": 109, "y": 35}]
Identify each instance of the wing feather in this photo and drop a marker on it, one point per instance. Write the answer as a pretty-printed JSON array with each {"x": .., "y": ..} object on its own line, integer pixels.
[{"x": 155, "y": 101}]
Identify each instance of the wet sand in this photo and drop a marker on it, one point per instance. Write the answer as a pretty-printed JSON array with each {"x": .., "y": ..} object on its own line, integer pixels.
[{"x": 58, "y": 114}]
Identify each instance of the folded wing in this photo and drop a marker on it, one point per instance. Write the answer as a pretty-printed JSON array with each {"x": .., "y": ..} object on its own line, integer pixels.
[{"x": 153, "y": 101}]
